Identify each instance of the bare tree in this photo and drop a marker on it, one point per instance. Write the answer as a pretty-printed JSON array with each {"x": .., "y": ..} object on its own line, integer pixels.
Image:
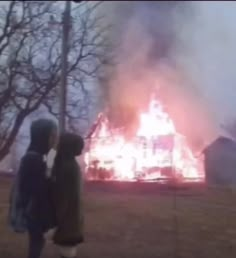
[
  {"x": 30, "y": 62},
  {"x": 87, "y": 52}
]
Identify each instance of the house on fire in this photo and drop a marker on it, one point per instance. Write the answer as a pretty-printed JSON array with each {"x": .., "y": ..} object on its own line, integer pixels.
[{"x": 220, "y": 162}]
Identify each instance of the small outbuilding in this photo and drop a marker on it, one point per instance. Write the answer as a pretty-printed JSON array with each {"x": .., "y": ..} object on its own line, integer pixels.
[{"x": 220, "y": 162}]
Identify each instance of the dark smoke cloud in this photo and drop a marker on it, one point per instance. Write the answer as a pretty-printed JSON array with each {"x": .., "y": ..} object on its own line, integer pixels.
[{"x": 158, "y": 49}]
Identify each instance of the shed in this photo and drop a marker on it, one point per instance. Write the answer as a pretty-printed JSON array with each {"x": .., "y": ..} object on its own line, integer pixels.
[{"x": 220, "y": 162}]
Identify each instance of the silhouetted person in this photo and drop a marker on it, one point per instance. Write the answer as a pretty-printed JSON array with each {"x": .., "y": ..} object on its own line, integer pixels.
[
  {"x": 33, "y": 194},
  {"x": 67, "y": 190}
]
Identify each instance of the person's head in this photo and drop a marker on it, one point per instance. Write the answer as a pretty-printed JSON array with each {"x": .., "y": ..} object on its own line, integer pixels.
[
  {"x": 43, "y": 135},
  {"x": 70, "y": 146}
]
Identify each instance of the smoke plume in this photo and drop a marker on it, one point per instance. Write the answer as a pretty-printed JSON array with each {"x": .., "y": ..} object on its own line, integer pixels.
[{"x": 181, "y": 51}]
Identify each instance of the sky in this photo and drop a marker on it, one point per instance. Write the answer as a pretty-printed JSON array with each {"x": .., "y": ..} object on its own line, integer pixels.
[{"x": 211, "y": 58}]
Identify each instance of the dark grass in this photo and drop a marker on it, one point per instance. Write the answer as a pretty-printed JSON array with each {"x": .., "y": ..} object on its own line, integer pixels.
[{"x": 124, "y": 221}]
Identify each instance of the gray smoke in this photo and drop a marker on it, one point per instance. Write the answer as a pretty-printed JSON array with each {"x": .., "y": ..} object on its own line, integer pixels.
[
  {"x": 208, "y": 55},
  {"x": 182, "y": 51}
]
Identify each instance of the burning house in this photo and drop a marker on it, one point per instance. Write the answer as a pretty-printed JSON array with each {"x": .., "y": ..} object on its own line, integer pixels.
[{"x": 155, "y": 152}]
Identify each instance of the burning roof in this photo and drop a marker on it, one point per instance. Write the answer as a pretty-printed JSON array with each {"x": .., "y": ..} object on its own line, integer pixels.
[{"x": 155, "y": 152}]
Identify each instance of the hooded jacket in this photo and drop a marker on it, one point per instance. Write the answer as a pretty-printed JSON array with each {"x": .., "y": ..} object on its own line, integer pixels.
[
  {"x": 34, "y": 185},
  {"x": 67, "y": 191}
]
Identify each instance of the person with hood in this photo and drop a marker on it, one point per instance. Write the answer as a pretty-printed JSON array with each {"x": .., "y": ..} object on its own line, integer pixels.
[
  {"x": 34, "y": 203},
  {"x": 67, "y": 195}
]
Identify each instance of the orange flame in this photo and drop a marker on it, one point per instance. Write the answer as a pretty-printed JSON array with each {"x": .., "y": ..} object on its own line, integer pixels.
[{"x": 155, "y": 152}]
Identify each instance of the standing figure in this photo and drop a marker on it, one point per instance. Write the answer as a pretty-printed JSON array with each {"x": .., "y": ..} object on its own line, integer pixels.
[
  {"x": 31, "y": 207},
  {"x": 67, "y": 195}
]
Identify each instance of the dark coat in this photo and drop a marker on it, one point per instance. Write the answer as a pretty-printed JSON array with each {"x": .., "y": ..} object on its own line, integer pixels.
[
  {"x": 67, "y": 191},
  {"x": 34, "y": 186}
]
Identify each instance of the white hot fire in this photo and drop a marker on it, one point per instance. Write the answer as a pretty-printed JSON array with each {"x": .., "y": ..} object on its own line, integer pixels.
[{"x": 155, "y": 152}]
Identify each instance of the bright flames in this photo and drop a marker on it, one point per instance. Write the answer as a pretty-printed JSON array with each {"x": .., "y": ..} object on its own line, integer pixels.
[{"x": 156, "y": 152}]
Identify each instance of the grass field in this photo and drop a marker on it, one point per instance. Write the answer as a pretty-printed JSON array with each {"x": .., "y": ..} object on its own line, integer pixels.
[{"x": 142, "y": 225}]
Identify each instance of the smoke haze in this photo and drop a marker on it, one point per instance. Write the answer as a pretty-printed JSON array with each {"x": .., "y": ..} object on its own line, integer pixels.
[{"x": 183, "y": 51}]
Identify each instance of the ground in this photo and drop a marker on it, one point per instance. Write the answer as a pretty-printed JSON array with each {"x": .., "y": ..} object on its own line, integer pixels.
[{"x": 142, "y": 224}]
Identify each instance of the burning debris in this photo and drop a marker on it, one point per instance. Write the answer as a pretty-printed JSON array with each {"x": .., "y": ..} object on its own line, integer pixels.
[{"x": 155, "y": 152}]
